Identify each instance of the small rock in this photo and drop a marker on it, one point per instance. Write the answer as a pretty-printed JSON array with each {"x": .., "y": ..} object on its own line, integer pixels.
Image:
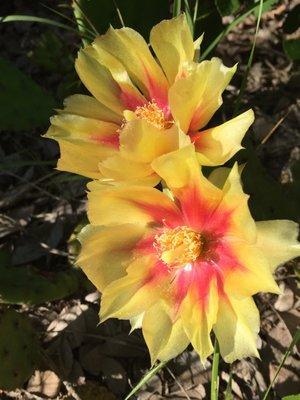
[{"x": 46, "y": 383}]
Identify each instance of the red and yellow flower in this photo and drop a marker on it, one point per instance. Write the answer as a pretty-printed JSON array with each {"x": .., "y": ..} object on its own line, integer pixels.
[
  {"x": 143, "y": 107},
  {"x": 184, "y": 262}
]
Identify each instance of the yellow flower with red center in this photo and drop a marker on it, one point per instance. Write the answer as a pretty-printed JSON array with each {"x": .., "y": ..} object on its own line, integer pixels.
[
  {"x": 184, "y": 262},
  {"x": 143, "y": 107}
]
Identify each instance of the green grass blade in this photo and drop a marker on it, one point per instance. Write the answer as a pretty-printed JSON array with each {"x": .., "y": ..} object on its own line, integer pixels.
[
  {"x": 146, "y": 378},
  {"x": 176, "y": 8},
  {"x": 119, "y": 14},
  {"x": 32, "y": 18},
  {"x": 195, "y": 12},
  {"x": 294, "y": 342},
  {"x": 233, "y": 24},
  {"x": 64, "y": 16},
  {"x": 214, "y": 384},
  {"x": 84, "y": 16},
  {"x": 249, "y": 63}
]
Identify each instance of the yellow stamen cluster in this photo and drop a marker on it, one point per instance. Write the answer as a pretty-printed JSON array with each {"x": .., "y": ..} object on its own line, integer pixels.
[
  {"x": 179, "y": 246},
  {"x": 153, "y": 114}
]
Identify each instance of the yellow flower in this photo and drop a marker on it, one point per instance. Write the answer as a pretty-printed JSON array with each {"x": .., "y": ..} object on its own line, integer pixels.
[
  {"x": 143, "y": 107},
  {"x": 185, "y": 262}
]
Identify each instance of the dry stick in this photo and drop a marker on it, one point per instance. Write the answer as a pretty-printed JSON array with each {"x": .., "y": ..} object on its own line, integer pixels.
[
  {"x": 267, "y": 137},
  {"x": 178, "y": 383}
]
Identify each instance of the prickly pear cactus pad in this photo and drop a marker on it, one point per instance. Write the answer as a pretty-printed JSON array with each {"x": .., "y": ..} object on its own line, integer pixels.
[{"x": 19, "y": 349}]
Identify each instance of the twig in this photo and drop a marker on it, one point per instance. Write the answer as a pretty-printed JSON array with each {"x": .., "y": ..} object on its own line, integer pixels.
[
  {"x": 178, "y": 383},
  {"x": 267, "y": 137}
]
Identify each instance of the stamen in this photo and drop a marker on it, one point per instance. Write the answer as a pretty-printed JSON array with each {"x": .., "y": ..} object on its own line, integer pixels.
[
  {"x": 153, "y": 114},
  {"x": 180, "y": 246}
]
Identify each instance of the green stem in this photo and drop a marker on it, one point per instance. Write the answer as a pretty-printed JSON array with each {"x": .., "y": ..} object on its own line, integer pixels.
[
  {"x": 146, "y": 378},
  {"x": 295, "y": 340},
  {"x": 214, "y": 385}
]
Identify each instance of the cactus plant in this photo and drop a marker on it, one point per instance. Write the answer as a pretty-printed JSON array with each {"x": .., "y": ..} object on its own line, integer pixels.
[
  {"x": 19, "y": 285},
  {"x": 19, "y": 349}
]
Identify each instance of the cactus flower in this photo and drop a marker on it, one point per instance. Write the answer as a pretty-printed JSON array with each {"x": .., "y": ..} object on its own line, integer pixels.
[
  {"x": 144, "y": 106},
  {"x": 184, "y": 262}
]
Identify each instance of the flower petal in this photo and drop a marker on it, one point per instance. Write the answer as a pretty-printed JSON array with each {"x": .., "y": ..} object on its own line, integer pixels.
[
  {"x": 235, "y": 201},
  {"x": 133, "y": 53},
  {"x": 165, "y": 338},
  {"x": 278, "y": 241},
  {"x": 196, "y": 97},
  {"x": 217, "y": 145},
  {"x": 98, "y": 80},
  {"x": 131, "y": 97},
  {"x": 87, "y": 106},
  {"x": 251, "y": 272},
  {"x": 172, "y": 42},
  {"x": 81, "y": 128},
  {"x": 237, "y": 328},
  {"x": 198, "y": 317},
  {"x": 197, "y": 197},
  {"x": 122, "y": 170},
  {"x": 106, "y": 252},
  {"x": 141, "y": 141},
  {"x": 131, "y": 295},
  {"x": 83, "y": 143},
  {"x": 130, "y": 204}
]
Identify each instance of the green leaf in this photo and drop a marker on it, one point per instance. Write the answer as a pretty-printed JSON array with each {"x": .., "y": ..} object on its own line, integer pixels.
[
  {"x": 292, "y": 48},
  {"x": 292, "y": 397},
  {"x": 24, "y": 105},
  {"x": 227, "y": 7}
]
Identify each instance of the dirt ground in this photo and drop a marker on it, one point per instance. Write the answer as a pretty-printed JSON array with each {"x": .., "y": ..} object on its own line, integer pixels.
[{"x": 83, "y": 360}]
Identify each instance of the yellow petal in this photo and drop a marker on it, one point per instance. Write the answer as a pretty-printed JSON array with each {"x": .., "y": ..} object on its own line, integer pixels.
[
  {"x": 106, "y": 252},
  {"x": 131, "y": 97},
  {"x": 143, "y": 142},
  {"x": 78, "y": 156},
  {"x": 129, "y": 296},
  {"x": 81, "y": 128},
  {"x": 98, "y": 80},
  {"x": 127, "y": 204},
  {"x": 173, "y": 45},
  {"x": 252, "y": 273},
  {"x": 236, "y": 328},
  {"x": 180, "y": 170},
  {"x": 217, "y": 145},
  {"x": 198, "y": 320},
  {"x": 165, "y": 339},
  {"x": 278, "y": 241},
  {"x": 196, "y": 97},
  {"x": 242, "y": 223},
  {"x": 89, "y": 107},
  {"x": 133, "y": 53},
  {"x": 83, "y": 142},
  {"x": 127, "y": 171}
]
